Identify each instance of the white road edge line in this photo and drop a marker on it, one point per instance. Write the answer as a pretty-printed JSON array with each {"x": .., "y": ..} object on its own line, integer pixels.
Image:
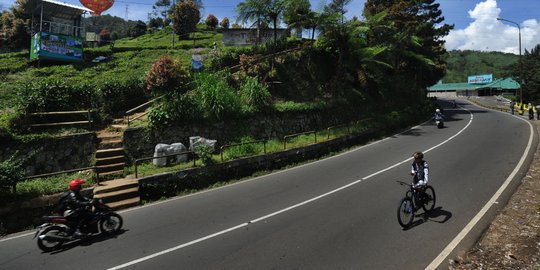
[
  {"x": 452, "y": 245},
  {"x": 151, "y": 256}
]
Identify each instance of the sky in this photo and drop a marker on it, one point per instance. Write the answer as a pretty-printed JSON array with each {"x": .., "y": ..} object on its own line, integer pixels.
[{"x": 475, "y": 21}]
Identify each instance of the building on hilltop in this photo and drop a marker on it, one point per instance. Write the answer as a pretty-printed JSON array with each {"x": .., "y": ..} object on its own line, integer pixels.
[{"x": 248, "y": 36}]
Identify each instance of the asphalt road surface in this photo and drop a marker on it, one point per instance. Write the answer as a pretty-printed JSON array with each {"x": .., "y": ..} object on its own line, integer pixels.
[{"x": 336, "y": 213}]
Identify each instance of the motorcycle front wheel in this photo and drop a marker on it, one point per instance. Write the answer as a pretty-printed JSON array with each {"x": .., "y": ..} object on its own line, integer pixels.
[
  {"x": 111, "y": 224},
  {"x": 50, "y": 245}
]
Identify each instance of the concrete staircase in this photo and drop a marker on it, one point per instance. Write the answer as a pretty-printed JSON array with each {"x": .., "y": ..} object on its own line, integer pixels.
[
  {"x": 118, "y": 193},
  {"x": 110, "y": 156}
]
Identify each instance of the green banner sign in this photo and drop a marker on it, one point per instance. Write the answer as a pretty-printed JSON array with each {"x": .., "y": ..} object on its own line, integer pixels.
[{"x": 47, "y": 45}]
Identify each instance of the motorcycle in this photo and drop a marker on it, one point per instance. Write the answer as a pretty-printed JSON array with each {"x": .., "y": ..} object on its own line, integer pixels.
[
  {"x": 58, "y": 230},
  {"x": 439, "y": 121}
]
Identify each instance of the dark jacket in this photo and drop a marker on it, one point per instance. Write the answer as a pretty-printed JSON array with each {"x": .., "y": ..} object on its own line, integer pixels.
[{"x": 76, "y": 201}]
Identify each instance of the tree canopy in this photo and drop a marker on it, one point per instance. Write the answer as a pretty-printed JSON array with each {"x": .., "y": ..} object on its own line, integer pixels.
[
  {"x": 186, "y": 15},
  {"x": 411, "y": 32}
]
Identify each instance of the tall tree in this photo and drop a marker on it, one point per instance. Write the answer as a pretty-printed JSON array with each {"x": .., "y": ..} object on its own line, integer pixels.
[
  {"x": 252, "y": 11},
  {"x": 274, "y": 13},
  {"x": 259, "y": 11},
  {"x": 412, "y": 32},
  {"x": 224, "y": 23},
  {"x": 211, "y": 21},
  {"x": 186, "y": 15},
  {"x": 338, "y": 6},
  {"x": 15, "y": 24},
  {"x": 160, "y": 11},
  {"x": 530, "y": 71},
  {"x": 297, "y": 13}
]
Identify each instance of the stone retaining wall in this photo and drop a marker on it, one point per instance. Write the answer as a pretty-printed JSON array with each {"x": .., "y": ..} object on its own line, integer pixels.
[
  {"x": 139, "y": 144},
  {"x": 53, "y": 154}
]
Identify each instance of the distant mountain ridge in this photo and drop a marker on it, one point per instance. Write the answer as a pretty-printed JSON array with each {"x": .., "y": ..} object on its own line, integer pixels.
[{"x": 462, "y": 64}]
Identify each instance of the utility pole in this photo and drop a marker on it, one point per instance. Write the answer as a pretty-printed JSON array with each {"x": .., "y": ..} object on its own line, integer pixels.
[
  {"x": 172, "y": 26},
  {"x": 127, "y": 7},
  {"x": 520, "y": 62}
]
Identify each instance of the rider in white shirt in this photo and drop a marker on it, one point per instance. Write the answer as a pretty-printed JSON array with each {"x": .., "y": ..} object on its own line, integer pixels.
[{"x": 419, "y": 169}]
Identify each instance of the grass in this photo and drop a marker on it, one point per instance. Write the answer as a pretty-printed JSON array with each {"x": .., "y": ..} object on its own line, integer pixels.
[
  {"x": 45, "y": 186},
  {"x": 163, "y": 39},
  {"x": 129, "y": 58},
  {"x": 252, "y": 149}
]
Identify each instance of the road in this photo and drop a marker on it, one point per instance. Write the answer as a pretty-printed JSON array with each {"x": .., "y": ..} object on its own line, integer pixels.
[{"x": 336, "y": 213}]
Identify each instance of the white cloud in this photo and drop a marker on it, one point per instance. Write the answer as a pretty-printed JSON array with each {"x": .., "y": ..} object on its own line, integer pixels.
[{"x": 486, "y": 33}]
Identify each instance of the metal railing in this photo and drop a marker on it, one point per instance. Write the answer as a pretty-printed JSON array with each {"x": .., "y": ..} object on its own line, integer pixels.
[
  {"x": 130, "y": 111},
  {"x": 137, "y": 161},
  {"x": 264, "y": 142},
  {"x": 88, "y": 114},
  {"x": 348, "y": 125},
  {"x": 296, "y": 135},
  {"x": 239, "y": 144},
  {"x": 94, "y": 168}
]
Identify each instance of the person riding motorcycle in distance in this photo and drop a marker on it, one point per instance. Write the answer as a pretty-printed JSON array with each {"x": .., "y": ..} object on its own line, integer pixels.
[
  {"x": 438, "y": 114},
  {"x": 77, "y": 205},
  {"x": 419, "y": 169}
]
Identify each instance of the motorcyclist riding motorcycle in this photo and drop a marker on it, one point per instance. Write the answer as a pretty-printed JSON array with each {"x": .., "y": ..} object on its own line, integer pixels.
[
  {"x": 439, "y": 118},
  {"x": 77, "y": 206}
]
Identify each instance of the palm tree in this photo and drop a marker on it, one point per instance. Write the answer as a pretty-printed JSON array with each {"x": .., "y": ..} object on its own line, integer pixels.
[
  {"x": 262, "y": 11},
  {"x": 251, "y": 10}
]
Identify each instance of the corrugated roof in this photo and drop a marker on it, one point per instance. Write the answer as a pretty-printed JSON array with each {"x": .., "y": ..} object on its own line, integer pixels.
[
  {"x": 507, "y": 84},
  {"x": 453, "y": 87},
  {"x": 57, "y": 9}
]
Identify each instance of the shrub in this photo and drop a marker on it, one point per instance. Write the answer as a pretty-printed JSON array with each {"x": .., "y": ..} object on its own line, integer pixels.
[
  {"x": 120, "y": 94},
  {"x": 179, "y": 109},
  {"x": 54, "y": 94},
  {"x": 166, "y": 75},
  {"x": 205, "y": 153},
  {"x": 11, "y": 172},
  {"x": 216, "y": 98},
  {"x": 158, "y": 117},
  {"x": 254, "y": 95}
]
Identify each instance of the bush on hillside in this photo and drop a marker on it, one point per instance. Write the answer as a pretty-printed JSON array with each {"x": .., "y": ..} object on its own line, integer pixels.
[
  {"x": 178, "y": 109},
  {"x": 121, "y": 94},
  {"x": 167, "y": 75},
  {"x": 254, "y": 95},
  {"x": 217, "y": 100},
  {"x": 53, "y": 94},
  {"x": 11, "y": 172}
]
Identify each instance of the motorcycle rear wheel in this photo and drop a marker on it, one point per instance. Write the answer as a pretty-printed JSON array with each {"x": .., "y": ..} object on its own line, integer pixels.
[
  {"x": 48, "y": 245},
  {"x": 111, "y": 224}
]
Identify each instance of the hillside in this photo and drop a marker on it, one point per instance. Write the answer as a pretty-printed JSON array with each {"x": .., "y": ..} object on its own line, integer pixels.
[
  {"x": 130, "y": 57},
  {"x": 465, "y": 63}
]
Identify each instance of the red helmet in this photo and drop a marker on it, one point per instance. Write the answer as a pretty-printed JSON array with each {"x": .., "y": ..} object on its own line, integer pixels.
[{"x": 76, "y": 184}]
